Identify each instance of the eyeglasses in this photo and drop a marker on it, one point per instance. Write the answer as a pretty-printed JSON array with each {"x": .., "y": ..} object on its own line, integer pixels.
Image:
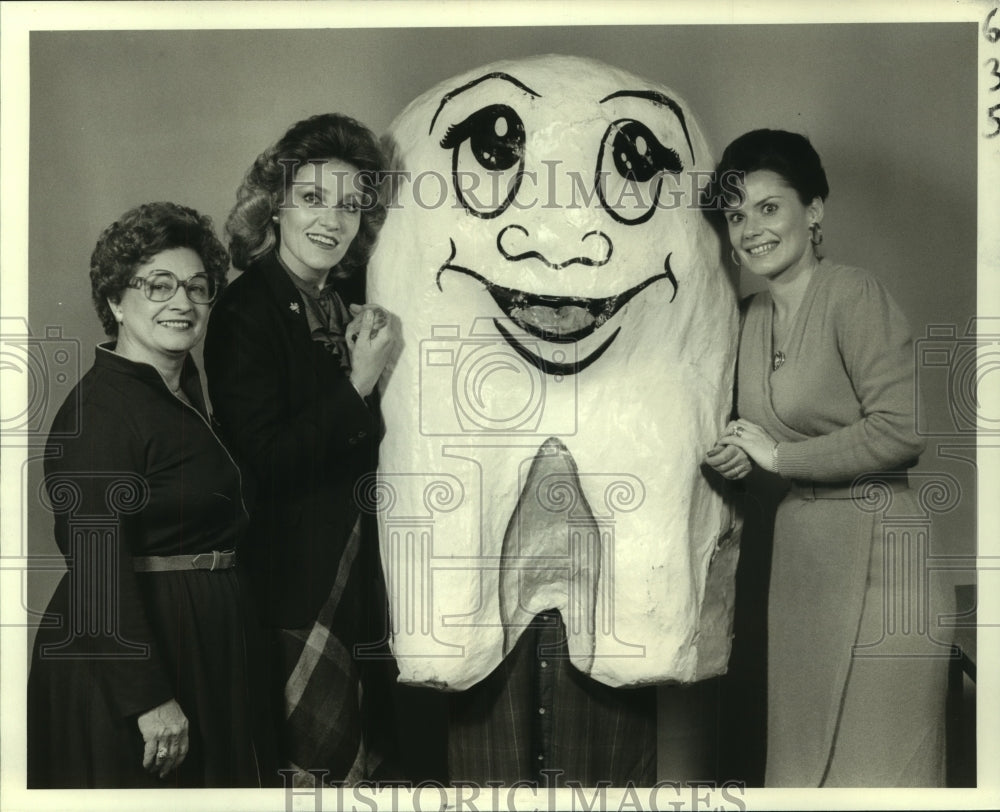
[{"x": 160, "y": 286}]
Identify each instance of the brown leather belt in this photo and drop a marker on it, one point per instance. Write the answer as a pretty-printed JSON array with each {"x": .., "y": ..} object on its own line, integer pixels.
[
  {"x": 215, "y": 560},
  {"x": 855, "y": 489}
]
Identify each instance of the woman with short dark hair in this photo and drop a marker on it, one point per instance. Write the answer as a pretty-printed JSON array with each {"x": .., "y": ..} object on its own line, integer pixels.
[
  {"x": 826, "y": 404},
  {"x": 147, "y": 675}
]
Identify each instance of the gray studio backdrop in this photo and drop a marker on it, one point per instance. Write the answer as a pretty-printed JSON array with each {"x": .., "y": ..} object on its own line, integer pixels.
[{"x": 120, "y": 118}]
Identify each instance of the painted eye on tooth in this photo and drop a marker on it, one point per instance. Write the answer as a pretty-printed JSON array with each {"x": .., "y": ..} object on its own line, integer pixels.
[
  {"x": 487, "y": 159},
  {"x": 630, "y": 166}
]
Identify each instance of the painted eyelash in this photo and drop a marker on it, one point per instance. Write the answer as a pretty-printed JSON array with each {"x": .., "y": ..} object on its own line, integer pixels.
[
  {"x": 451, "y": 135},
  {"x": 458, "y": 132}
]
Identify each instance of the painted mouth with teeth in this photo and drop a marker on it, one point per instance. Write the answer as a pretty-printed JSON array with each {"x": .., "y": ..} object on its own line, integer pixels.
[{"x": 556, "y": 319}]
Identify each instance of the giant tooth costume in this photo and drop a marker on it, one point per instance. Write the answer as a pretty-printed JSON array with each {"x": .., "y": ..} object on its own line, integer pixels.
[{"x": 569, "y": 337}]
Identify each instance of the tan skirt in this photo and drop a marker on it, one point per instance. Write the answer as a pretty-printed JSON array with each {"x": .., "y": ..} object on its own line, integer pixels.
[{"x": 857, "y": 671}]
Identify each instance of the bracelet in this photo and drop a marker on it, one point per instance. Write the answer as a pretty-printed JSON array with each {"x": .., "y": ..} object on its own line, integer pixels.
[{"x": 774, "y": 458}]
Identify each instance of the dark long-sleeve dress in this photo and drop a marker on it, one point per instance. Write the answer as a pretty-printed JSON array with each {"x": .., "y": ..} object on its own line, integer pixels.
[{"x": 133, "y": 471}]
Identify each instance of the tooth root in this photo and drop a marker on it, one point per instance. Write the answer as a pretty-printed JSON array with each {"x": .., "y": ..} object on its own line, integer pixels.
[
  {"x": 551, "y": 555},
  {"x": 442, "y": 595},
  {"x": 409, "y": 507}
]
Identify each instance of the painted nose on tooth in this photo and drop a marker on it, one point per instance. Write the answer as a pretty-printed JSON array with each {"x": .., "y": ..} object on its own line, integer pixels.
[{"x": 592, "y": 249}]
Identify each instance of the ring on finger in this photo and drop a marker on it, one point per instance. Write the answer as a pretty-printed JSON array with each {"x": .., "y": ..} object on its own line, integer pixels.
[
  {"x": 162, "y": 752},
  {"x": 738, "y": 431}
]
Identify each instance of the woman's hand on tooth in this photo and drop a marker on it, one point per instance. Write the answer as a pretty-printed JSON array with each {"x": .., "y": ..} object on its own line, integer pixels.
[
  {"x": 354, "y": 327},
  {"x": 372, "y": 336}
]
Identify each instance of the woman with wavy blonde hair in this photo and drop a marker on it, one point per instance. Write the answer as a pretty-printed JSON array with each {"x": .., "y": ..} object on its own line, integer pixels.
[{"x": 291, "y": 372}]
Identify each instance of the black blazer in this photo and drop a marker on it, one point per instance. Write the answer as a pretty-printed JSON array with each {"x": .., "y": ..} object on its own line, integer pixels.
[{"x": 301, "y": 433}]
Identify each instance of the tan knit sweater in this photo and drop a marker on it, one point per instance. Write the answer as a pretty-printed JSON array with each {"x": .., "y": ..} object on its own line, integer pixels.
[{"x": 843, "y": 402}]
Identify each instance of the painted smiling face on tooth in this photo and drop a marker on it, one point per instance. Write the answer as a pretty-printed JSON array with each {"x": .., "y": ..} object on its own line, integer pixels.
[
  {"x": 560, "y": 278},
  {"x": 569, "y": 337}
]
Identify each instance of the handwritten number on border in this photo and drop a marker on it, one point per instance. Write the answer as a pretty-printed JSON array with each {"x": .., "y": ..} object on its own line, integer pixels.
[
  {"x": 993, "y": 114},
  {"x": 995, "y": 72},
  {"x": 992, "y": 35}
]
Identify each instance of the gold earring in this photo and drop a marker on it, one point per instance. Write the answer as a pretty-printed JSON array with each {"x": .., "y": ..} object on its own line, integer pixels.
[{"x": 816, "y": 234}]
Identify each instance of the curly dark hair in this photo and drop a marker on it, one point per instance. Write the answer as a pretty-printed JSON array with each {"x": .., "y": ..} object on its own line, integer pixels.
[
  {"x": 139, "y": 235},
  {"x": 786, "y": 153},
  {"x": 328, "y": 136}
]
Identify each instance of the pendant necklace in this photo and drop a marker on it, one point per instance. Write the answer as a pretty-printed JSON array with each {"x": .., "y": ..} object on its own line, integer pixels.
[{"x": 777, "y": 357}]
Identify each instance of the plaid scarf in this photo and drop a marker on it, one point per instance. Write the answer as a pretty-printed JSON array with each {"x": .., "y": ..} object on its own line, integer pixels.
[{"x": 322, "y": 734}]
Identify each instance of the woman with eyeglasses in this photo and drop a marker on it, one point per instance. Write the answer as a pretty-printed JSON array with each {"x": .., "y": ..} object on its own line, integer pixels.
[{"x": 145, "y": 668}]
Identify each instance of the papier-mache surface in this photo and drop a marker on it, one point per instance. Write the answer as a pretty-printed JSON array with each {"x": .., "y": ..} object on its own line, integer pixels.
[{"x": 569, "y": 338}]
